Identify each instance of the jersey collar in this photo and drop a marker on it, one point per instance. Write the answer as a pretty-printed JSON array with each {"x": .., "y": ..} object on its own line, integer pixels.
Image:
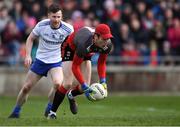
[{"x": 56, "y": 28}]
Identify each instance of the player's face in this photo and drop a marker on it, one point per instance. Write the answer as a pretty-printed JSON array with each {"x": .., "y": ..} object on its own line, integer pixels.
[
  {"x": 55, "y": 18},
  {"x": 100, "y": 42}
]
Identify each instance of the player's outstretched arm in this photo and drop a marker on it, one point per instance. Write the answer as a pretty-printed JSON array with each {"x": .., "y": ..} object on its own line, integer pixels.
[
  {"x": 101, "y": 67},
  {"x": 77, "y": 61}
]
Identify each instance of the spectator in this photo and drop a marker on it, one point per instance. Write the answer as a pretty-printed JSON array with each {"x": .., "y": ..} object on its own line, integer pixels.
[
  {"x": 86, "y": 7},
  {"x": 69, "y": 7},
  {"x": 36, "y": 11},
  {"x": 124, "y": 35},
  {"x": 141, "y": 9},
  {"x": 168, "y": 17},
  {"x": 130, "y": 55},
  {"x": 147, "y": 20},
  {"x": 167, "y": 59},
  {"x": 16, "y": 11},
  {"x": 139, "y": 34},
  {"x": 77, "y": 20},
  {"x": 174, "y": 38},
  {"x": 159, "y": 36},
  {"x": 12, "y": 38},
  {"x": 114, "y": 24},
  {"x": 126, "y": 12},
  {"x": 4, "y": 18}
]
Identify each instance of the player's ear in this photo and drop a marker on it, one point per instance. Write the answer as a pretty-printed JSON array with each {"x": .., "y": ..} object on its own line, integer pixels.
[
  {"x": 48, "y": 15},
  {"x": 96, "y": 36}
]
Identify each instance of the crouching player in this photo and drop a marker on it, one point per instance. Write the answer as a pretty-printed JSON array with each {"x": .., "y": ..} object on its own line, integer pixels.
[{"x": 76, "y": 53}]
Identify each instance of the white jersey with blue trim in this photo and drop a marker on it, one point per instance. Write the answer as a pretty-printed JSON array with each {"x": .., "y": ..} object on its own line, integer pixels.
[{"x": 50, "y": 40}]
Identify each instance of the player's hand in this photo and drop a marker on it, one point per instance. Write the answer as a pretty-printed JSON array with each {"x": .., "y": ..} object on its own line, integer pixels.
[
  {"x": 27, "y": 61},
  {"x": 103, "y": 82},
  {"x": 104, "y": 85},
  {"x": 87, "y": 91}
]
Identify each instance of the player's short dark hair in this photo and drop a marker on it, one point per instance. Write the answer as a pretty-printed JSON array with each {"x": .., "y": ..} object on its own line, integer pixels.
[{"x": 54, "y": 8}]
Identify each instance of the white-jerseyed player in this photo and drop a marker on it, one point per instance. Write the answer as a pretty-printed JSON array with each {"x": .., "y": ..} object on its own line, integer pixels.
[{"x": 51, "y": 33}]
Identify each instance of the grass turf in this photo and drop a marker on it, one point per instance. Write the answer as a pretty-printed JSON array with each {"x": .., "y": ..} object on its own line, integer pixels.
[{"x": 113, "y": 111}]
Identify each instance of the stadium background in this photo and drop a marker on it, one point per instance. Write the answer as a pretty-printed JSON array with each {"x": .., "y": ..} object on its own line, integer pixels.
[
  {"x": 146, "y": 41},
  {"x": 142, "y": 73}
]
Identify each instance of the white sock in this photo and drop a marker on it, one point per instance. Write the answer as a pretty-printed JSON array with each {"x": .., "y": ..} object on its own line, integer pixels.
[
  {"x": 70, "y": 96},
  {"x": 51, "y": 112}
]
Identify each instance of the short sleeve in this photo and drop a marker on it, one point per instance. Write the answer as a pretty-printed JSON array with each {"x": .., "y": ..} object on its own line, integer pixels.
[{"x": 36, "y": 30}]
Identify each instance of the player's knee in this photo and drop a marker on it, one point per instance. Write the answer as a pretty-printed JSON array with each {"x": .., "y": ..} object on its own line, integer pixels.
[
  {"x": 56, "y": 86},
  {"x": 67, "y": 86},
  {"x": 57, "y": 83}
]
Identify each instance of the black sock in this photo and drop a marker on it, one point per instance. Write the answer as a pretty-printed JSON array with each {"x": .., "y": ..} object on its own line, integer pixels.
[
  {"x": 58, "y": 99},
  {"x": 76, "y": 92}
]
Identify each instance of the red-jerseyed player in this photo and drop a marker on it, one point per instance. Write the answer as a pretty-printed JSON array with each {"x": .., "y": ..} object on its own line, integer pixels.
[{"x": 76, "y": 53}]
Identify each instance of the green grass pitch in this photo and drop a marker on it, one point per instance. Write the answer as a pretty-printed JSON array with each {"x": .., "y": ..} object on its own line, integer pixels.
[{"x": 115, "y": 110}]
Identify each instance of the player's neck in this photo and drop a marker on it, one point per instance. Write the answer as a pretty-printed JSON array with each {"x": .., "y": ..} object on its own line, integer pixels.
[{"x": 53, "y": 26}]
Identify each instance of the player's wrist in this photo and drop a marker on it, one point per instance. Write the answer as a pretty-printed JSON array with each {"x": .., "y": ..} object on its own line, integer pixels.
[
  {"x": 84, "y": 86},
  {"x": 102, "y": 80},
  {"x": 28, "y": 55}
]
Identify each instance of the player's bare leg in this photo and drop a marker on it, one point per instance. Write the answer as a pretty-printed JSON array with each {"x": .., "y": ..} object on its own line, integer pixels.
[
  {"x": 58, "y": 99},
  {"x": 51, "y": 94},
  {"x": 62, "y": 90},
  {"x": 57, "y": 78},
  {"x": 67, "y": 84},
  {"x": 30, "y": 81},
  {"x": 86, "y": 71}
]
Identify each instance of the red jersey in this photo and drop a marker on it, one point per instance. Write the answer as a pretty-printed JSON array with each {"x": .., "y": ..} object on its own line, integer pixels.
[{"x": 82, "y": 43}]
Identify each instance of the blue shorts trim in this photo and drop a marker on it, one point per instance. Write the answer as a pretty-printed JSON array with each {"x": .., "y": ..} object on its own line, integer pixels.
[{"x": 42, "y": 68}]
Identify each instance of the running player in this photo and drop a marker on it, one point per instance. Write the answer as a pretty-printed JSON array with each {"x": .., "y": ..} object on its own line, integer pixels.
[
  {"x": 76, "y": 53},
  {"x": 51, "y": 33}
]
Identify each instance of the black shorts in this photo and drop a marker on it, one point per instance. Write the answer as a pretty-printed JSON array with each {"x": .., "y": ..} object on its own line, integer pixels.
[{"x": 67, "y": 53}]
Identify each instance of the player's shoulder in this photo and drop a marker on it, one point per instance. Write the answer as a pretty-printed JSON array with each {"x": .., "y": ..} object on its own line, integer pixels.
[
  {"x": 86, "y": 30},
  {"x": 44, "y": 22},
  {"x": 67, "y": 27},
  {"x": 92, "y": 30}
]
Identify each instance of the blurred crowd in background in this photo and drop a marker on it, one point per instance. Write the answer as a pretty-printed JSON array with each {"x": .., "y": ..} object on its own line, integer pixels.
[{"x": 146, "y": 32}]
